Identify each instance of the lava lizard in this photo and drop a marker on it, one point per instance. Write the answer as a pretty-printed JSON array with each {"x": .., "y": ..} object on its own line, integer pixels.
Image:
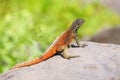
[{"x": 61, "y": 43}]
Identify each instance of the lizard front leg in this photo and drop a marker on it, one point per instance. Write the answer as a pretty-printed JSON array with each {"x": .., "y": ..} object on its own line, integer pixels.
[
  {"x": 77, "y": 42},
  {"x": 76, "y": 39}
]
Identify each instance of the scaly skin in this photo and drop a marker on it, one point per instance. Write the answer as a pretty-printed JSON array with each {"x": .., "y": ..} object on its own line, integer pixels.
[{"x": 60, "y": 44}]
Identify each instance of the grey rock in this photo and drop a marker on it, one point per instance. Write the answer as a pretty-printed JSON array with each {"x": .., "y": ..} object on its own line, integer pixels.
[
  {"x": 110, "y": 35},
  {"x": 96, "y": 62}
]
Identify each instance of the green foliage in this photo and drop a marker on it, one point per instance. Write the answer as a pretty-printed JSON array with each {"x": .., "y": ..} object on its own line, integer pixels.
[{"x": 27, "y": 27}]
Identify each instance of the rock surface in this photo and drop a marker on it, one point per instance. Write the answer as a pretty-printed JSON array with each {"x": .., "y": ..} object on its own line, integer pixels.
[
  {"x": 96, "y": 62},
  {"x": 110, "y": 35}
]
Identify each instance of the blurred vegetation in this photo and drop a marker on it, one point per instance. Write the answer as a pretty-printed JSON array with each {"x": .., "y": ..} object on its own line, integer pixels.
[{"x": 27, "y": 27}]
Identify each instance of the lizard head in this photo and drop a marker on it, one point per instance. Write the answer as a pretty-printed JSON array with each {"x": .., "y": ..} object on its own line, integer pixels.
[{"x": 76, "y": 25}]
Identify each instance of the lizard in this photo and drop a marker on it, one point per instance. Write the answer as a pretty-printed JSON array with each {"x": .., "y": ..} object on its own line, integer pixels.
[{"x": 60, "y": 44}]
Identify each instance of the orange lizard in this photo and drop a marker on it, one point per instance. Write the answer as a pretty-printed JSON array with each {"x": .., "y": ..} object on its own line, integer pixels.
[{"x": 61, "y": 43}]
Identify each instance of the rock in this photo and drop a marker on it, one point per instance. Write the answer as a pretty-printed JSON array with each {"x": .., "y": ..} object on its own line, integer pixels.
[
  {"x": 96, "y": 62},
  {"x": 111, "y": 35}
]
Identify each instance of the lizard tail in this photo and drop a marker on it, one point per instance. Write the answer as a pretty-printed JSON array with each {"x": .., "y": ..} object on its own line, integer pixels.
[
  {"x": 44, "y": 57},
  {"x": 28, "y": 63}
]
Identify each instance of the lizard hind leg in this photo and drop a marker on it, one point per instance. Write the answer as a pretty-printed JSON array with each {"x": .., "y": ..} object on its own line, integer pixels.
[
  {"x": 65, "y": 54},
  {"x": 63, "y": 49}
]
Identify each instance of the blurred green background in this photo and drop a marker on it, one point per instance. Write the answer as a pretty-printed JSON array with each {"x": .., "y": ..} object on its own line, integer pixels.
[{"x": 28, "y": 27}]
